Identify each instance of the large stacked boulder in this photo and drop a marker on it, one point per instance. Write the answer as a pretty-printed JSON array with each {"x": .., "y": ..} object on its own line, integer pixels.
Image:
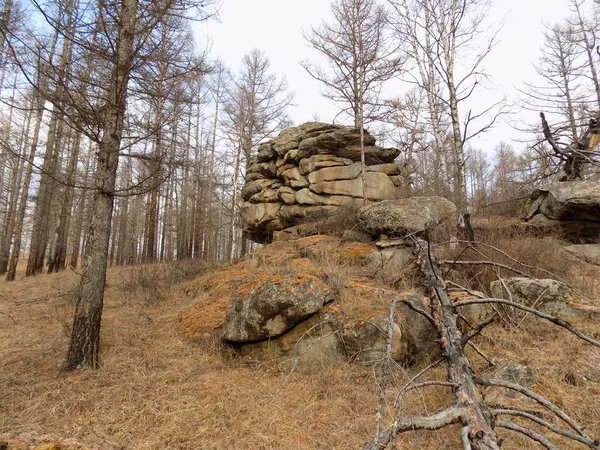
[
  {"x": 311, "y": 171},
  {"x": 573, "y": 207},
  {"x": 410, "y": 217}
]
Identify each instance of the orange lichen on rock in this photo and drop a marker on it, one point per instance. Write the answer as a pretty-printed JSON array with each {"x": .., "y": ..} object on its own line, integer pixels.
[
  {"x": 317, "y": 246},
  {"x": 354, "y": 252},
  {"x": 214, "y": 293}
]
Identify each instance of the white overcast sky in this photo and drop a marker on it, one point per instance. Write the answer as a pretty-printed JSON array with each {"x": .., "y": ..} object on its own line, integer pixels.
[{"x": 276, "y": 27}]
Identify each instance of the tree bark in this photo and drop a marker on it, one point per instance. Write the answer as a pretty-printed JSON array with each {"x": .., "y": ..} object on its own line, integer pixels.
[{"x": 85, "y": 337}]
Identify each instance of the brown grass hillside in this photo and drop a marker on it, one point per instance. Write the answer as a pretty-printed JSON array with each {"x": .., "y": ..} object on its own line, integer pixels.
[{"x": 164, "y": 386}]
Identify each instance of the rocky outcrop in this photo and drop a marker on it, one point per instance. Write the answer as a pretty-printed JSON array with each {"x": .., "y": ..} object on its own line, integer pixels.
[
  {"x": 274, "y": 307},
  {"x": 546, "y": 295},
  {"x": 410, "y": 216},
  {"x": 311, "y": 171},
  {"x": 572, "y": 207},
  {"x": 299, "y": 304},
  {"x": 365, "y": 341},
  {"x": 590, "y": 253}
]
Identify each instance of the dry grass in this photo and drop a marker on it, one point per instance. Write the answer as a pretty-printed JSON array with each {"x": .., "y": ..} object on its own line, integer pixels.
[{"x": 157, "y": 389}]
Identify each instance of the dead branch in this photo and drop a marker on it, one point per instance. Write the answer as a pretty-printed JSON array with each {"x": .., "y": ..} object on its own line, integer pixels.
[
  {"x": 538, "y": 398},
  {"x": 478, "y": 329},
  {"x": 484, "y": 263},
  {"x": 480, "y": 353},
  {"x": 555, "y": 320},
  {"x": 434, "y": 422},
  {"x": 478, "y": 420},
  {"x": 548, "y": 425},
  {"x": 418, "y": 310},
  {"x": 527, "y": 432},
  {"x": 503, "y": 253}
]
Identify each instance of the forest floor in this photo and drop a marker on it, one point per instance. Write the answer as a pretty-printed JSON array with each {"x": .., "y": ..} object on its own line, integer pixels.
[{"x": 157, "y": 389}]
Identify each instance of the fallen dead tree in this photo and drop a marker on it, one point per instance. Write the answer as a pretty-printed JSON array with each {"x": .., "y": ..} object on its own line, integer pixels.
[{"x": 479, "y": 421}]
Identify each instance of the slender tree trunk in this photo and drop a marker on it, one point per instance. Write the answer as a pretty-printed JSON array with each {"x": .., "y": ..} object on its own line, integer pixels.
[
  {"x": 20, "y": 218},
  {"x": 211, "y": 167},
  {"x": 85, "y": 337},
  {"x": 16, "y": 178},
  {"x": 233, "y": 238},
  {"x": 449, "y": 52},
  {"x": 58, "y": 261},
  {"x": 80, "y": 215}
]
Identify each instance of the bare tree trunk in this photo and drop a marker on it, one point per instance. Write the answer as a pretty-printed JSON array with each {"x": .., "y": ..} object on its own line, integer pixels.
[
  {"x": 20, "y": 218},
  {"x": 449, "y": 53},
  {"x": 16, "y": 178},
  {"x": 85, "y": 337},
  {"x": 208, "y": 243},
  {"x": 80, "y": 215},
  {"x": 58, "y": 261},
  {"x": 589, "y": 50},
  {"x": 233, "y": 238}
]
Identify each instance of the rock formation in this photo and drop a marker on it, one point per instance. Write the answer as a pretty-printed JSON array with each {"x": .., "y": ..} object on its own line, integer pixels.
[
  {"x": 291, "y": 301},
  {"x": 573, "y": 207},
  {"x": 410, "y": 217},
  {"x": 311, "y": 171}
]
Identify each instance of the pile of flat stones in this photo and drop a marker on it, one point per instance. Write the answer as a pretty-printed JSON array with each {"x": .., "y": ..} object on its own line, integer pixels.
[{"x": 310, "y": 172}]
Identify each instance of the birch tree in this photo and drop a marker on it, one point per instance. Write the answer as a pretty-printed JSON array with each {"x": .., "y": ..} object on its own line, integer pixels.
[
  {"x": 446, "y": 34},
  {"x": 360, "y": 57},
  {"x": 256, "y": 107}
]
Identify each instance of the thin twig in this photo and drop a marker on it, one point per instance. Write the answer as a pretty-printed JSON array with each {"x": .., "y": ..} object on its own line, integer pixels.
[
  {"x": 538, "y": 398},
  {"x": 527, "y": 432},
  {"x": 485, "y": 263},
  {"x": 511, "y": 412},
  {"x": 555, "y": 320}
]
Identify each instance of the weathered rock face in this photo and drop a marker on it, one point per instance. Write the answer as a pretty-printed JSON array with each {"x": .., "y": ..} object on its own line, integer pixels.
[
  {"x": 365, "y": 341},
  {"x": 314, "y": 164},
  {"x": 546, "y": 295},
  {"x": 296, "y": 303},
  {"x": 590, "y": 253},
  {"x": 573, "y": 207},
  {"x": 311, "y": 345},
  {"x": 274, "y": 307},
  {"x": 403, "y": 217}
]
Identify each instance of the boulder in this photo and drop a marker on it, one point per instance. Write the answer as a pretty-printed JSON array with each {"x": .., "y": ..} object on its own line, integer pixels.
[
  {"x": 287, "y": 195},
  {"x": 392, "y": 255},
  {"x": 265, "y": 196},
  {"x": 267, "y": 169},
  {"x": 260, "y": 213},
  {"x": 379, "y": 187},
  {"x": 292, "y": 212},
  {"x": 571, "y": 200},
  {"x": 573, "y": 207},
  {"x": 365, "y": 341},
  {"x": 335, "y": 173},
  {"x": 311, "y": 345},
  {"x": 410, "y": 216},
  {"x": 590, "y": 253},
  {"x": 356, "y": 236},
  {"x": 293, "y": 178},
  {"x": 389, "y": 169},
  {"x": 266, "y": 152},
  {"x": 274, "y": 307},
  {"x": 550, "y": 296},
  {"x": 373, "y": 155}
]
